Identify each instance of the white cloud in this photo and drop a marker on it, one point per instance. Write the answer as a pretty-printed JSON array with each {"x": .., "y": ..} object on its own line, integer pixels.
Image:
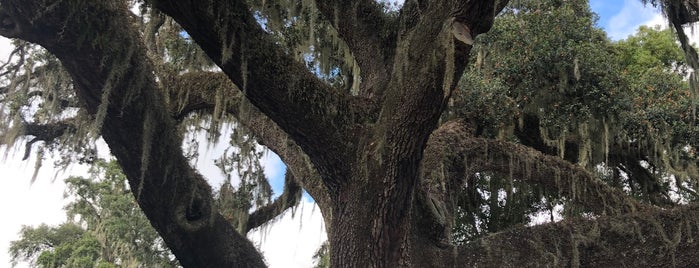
[
  {"x": 627, "y": 21},
  {"x": 658, "y": 19},
  {"x": 633, "y": 14},
  {"x": 24, "y": 203},
  {"x": 293, "y": 239},
  {"x": 661, "y": 20}
]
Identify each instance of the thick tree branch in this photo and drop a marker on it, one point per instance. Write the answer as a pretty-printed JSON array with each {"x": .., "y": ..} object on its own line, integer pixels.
[
  {"x": 627, "y": 157},
  {"x": 522, "y": 163},
  {"x": 289, "y": 198},
  {"x": 442, "y": 176},
  {"x": 311, "y": 112},
  {"x": 198, "y": 92},
  {"x": 425, "y": 75},
  {"x": 112, "y": 66},
  {"x": 552, "y": 173},
  {"x": 681, "y": 12},
  {"x": 46, "y": 133},
  {"x": 366, "y": 30},
  {"x": 658, "y": 238},
  {"x": 41, "y": 132},
  {"x": 478, "y": 15},
  {"x": 426, "y": 67}
]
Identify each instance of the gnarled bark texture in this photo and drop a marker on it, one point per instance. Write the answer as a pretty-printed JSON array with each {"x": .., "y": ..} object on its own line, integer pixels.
[{"x": 383, "y": 170}]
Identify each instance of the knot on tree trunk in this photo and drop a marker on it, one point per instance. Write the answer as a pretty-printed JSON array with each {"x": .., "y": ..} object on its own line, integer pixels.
[{"x": 194, "y": 210}]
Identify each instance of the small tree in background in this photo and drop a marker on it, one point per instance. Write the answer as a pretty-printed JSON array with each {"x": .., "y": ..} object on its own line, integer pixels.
[{"x": 105, "y": 228}]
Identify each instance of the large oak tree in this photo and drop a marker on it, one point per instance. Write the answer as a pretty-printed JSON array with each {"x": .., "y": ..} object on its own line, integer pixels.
[{"x": 352, "y": 96}]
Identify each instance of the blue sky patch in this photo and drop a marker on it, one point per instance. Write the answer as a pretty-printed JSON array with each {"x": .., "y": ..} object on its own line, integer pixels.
[{"x": 621, "y": 18}]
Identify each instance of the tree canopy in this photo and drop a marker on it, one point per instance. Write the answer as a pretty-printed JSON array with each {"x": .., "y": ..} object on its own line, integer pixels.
[
  {"x": 105, "y": 228},
  {"x": 428, "y": 133}
]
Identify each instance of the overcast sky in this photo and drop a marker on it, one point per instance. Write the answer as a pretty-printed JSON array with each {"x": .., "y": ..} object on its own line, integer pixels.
[{"x": 291, "y": 241}]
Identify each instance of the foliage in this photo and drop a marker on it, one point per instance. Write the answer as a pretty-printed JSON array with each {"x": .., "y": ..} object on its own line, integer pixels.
[
  {"x": 350, "y": 95},
  {"x": 546, "y": 77},
  {"x": 106, "y": 228},
  {"x": 322, "y": 256}
]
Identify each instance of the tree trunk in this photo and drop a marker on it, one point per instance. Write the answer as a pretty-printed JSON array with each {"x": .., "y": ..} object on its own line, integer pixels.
[
  {"x": 367, "y": 155},
  {"x": 385, "y": 179}
]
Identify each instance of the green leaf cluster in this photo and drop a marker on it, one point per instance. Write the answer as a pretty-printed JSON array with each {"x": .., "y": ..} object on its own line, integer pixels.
[
  {"x": 547, "y": 77},
  {"x": 105, "y": 228}
]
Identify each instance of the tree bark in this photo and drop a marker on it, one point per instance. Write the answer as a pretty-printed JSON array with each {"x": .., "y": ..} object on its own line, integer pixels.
[
  {"x": 385, "y": 180},
  {"x": 661, "y": 238},
  {"x": 114, "y": 75}
]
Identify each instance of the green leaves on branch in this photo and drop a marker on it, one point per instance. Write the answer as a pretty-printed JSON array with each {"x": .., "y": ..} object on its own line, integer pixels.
[
  {"x": 546, "y": 77},
  {"x": 106, "y": 228}
]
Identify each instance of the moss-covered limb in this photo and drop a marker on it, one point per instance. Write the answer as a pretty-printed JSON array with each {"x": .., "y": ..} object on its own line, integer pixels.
[
  {"x": 529, "y": 134},
  {"x": 289, "y": 198},
  {"x": 441, "y": 177},
  {"x": 155, "y": 21},
  {"x": 199, "y": 91},
  {"x": 552, "y": 173},
  {"x": 44, "y": 132},
  {"x": 47, "y": 133},
  {"x": 519, "y": 162},
  {"x": 381, "y": 192},
  {"x": 658, "y": 238},
  {"x": 427, "y": 64},
  {"x": 477, "y": 15},
  {"x": 683, "y": 12},
  {"x": 680, "y": 13},
  {"x": 473, "y": 13},
  {"x": 626, "y": 157},
  {"x": 202, "y": 92},
  {"x": 368, "y": 33},
  {"x": 313, "y": 113},
  {"x": 101, "y": 50},
  {"x": 643, "y": 183}
]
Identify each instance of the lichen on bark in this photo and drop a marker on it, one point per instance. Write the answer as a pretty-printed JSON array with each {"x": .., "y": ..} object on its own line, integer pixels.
[{"x": 391, "y": 172}]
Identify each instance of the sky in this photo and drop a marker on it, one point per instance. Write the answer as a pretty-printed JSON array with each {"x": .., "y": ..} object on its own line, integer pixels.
[
  {"x": 291, "y": 240},
  {"x": 621, "y": 18}
]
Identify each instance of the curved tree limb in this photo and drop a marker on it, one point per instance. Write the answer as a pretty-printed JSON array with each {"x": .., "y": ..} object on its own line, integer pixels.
[
  {"x": 626, "y": 157},
  {"x": 40, "y": 132},
  {"x": 366, "y": 30},
  {"x": 657, "y": 238},
  {"x": 288, "y": 199},
  {"x": 279, "y": 86},
  {"x": 45, "y": 132},
  {"x": 198, "y": 92},
  {"x": 442, "y": 173},
  {"x": 552, "y": 173},
  {"x": 515, "y": 161},
  {"x": 114, "y": 80},
  {"x": 682, "y": 11},
  {"x": 579, "y": 242},
  {"x": 201, "y": 89},
  {"x": 50, "y": 131},
  {"x": 439, "y": 62}
]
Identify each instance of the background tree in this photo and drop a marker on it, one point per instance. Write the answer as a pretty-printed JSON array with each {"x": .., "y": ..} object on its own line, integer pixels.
[
  {"x": 569, "y": 91},
  {"x": 360, "y": 100},
  {"x": 105, "y": 228}
]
